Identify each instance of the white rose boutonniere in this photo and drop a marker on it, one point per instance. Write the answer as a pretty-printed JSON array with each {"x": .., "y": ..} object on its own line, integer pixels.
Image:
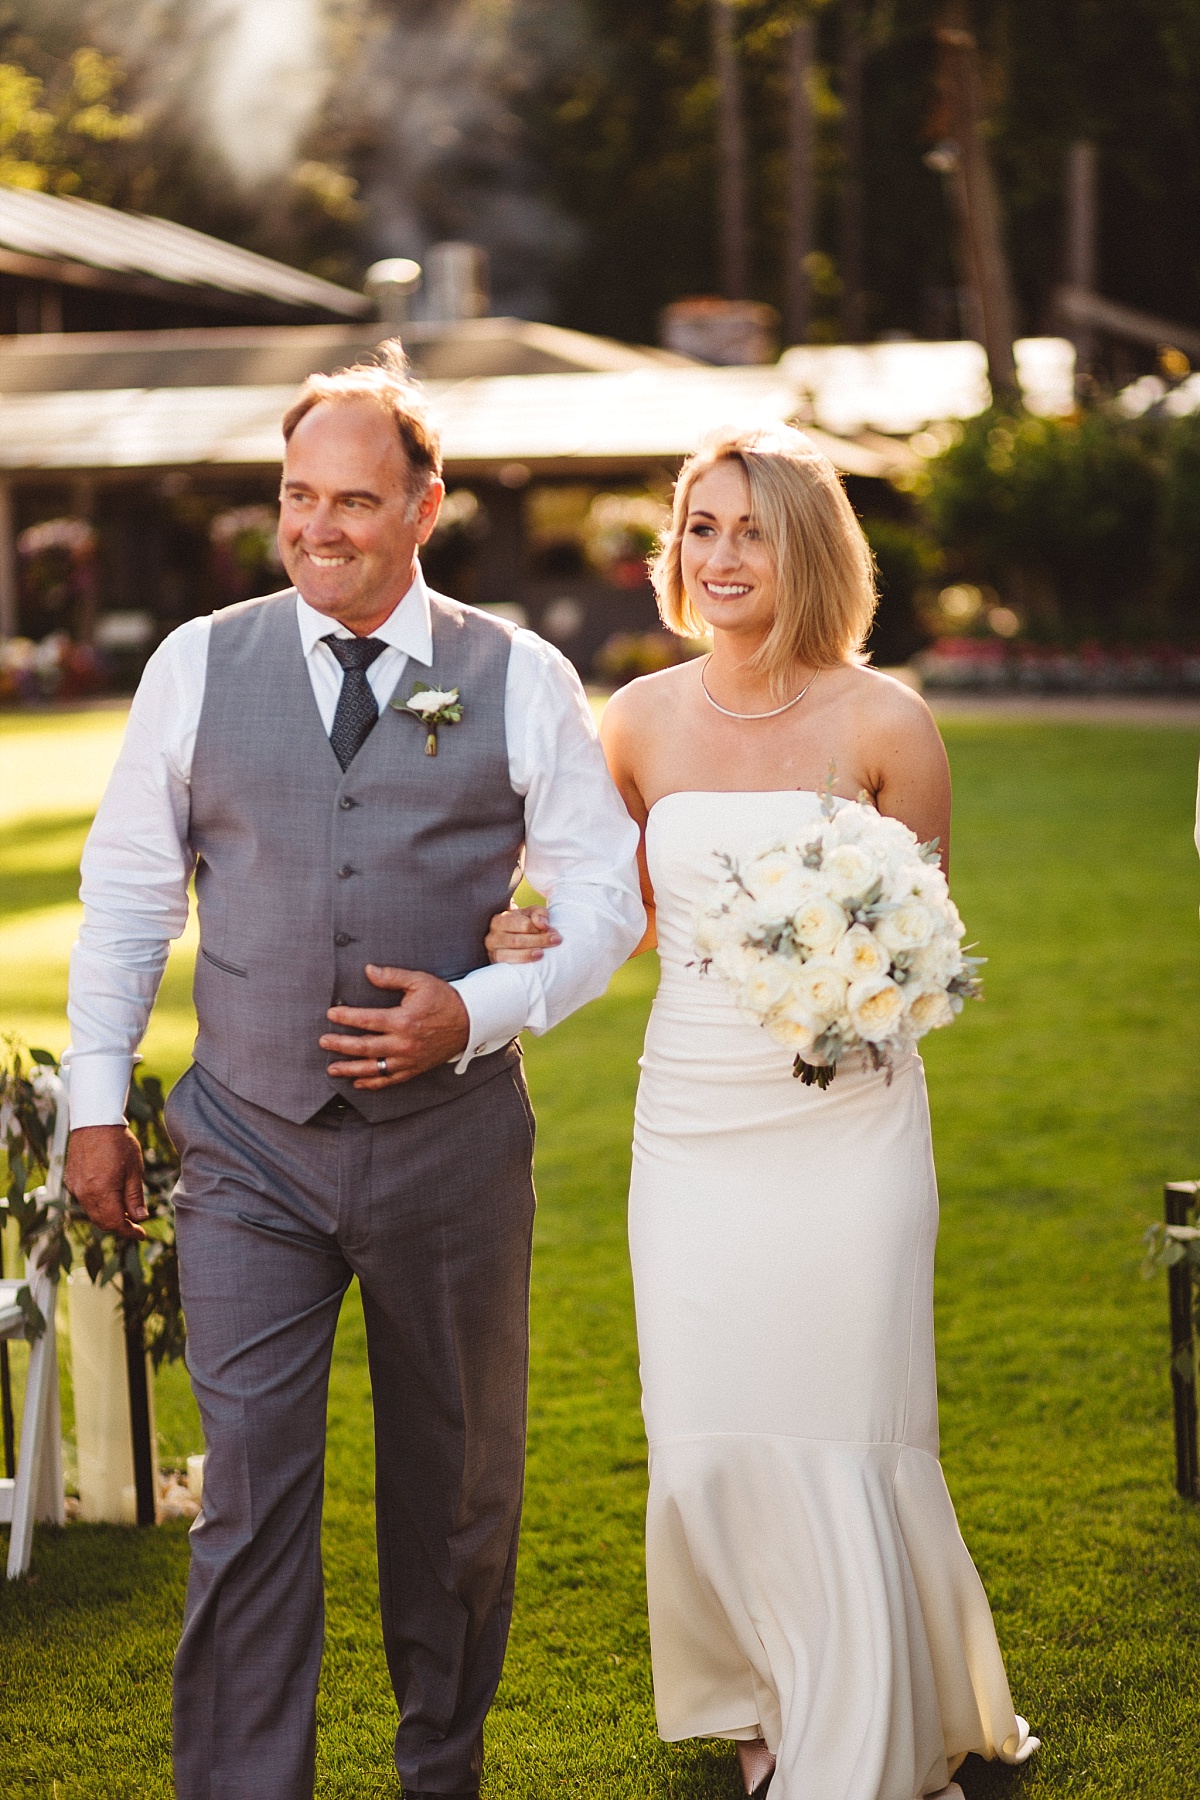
[{"x": 433, "y": 707}]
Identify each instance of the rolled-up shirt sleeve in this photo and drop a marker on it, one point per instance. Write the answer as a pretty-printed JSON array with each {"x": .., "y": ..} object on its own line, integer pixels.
[
  {"x": 134, "y": 881},
  {"x": 580, "y": 852}
]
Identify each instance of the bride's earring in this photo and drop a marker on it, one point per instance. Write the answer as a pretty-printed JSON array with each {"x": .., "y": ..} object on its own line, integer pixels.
[{"x": 757, "y": 1766}]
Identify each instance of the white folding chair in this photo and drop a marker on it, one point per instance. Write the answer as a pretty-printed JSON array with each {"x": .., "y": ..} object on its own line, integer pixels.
[{"x": 36, "y": 1492}]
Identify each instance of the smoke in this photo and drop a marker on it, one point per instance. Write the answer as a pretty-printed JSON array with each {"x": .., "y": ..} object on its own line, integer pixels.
[
  {"x": 263, "y": 76},
  {"x": 423, "y": 102},
  {"x": 246, "y": 78},
  {"x": 441, "y": 88}
]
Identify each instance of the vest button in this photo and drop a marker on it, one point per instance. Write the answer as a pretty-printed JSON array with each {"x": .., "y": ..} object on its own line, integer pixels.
[
  {"x": 342, "y": 939},
  {"x": 345, "y": 871},
  {"x": 346, "y": 803}
]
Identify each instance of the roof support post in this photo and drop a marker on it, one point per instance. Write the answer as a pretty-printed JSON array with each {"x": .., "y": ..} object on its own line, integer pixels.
[
  {"x": 83, "y": 506},
  {"x": 9, "y": 592}
]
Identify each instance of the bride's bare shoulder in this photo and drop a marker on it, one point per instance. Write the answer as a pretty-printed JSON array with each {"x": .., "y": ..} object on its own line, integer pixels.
[
  {"x": 883, "y": 702},
  {"x": 649, "y": 702}
]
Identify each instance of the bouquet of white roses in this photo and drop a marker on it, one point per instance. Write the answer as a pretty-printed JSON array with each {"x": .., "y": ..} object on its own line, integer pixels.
[{"x": 845, "y": 939}]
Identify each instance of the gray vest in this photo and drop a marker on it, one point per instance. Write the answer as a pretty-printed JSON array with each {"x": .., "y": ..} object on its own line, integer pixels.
[{"x": 306, "y": 874}]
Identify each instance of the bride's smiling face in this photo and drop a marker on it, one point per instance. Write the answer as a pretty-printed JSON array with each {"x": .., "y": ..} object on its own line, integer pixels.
[{"x": 727, "y": 570}]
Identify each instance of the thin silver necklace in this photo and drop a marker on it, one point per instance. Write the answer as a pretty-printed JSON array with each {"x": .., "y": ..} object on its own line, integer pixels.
[{"x": 773, "y": 714}]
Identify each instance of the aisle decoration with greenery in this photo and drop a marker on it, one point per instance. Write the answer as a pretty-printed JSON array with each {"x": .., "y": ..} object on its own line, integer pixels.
[{"x": 55, "y": 1232}]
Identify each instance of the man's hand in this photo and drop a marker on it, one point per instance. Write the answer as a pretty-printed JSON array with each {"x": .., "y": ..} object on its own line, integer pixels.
[
  {"x": 520, "y": 935},
  {"x": 430, "y": 1027},
  {"x": 104, "y": 1172}
]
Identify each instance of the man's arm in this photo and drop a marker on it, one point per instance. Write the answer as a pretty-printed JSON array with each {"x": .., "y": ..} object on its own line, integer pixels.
[
  {"x": 135, "y": 871},
  {"x": 580, "y": 851}
]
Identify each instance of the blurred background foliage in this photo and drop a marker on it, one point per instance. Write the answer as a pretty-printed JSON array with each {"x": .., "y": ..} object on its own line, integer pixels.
[
  {"x": 574, "y": 139},
  {"x": 1087, "y": 527}
]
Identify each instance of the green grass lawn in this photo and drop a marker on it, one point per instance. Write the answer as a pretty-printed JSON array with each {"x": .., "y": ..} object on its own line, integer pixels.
[{"x": 1060, "y": 1107}]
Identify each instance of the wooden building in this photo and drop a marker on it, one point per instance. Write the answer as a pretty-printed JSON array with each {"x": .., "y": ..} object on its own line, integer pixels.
[{"x": 146, "y": 368}]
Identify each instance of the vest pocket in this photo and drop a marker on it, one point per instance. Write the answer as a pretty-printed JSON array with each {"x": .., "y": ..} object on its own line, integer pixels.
[{"x": 229, "y": 968}]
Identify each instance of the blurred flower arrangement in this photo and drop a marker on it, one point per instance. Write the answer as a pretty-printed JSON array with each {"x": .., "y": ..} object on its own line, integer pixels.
[
  {"x": 56, "y": 1232},
  {"x": 245, "y": 550},
  {"x": 57, "y": 572},
  {"x": 54, "y": 669},
  {"x": 620, "y": 533},
  {"x": 995, "y": 665}
]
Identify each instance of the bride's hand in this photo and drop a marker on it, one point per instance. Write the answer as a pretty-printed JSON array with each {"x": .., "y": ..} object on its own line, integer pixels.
[{"x": 520, "y": 935}]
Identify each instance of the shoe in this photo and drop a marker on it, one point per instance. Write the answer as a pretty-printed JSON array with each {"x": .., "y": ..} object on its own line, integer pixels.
[
  {"x": 760, "y": 1792},
  {"x": 427, "y": 1794}
]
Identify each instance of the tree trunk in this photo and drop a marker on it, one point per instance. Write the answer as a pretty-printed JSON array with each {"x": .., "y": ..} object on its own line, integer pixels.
[
  {"x": 800, "y": 209},
  {"x": 731, "y": 156},
  {"x": 851, "y": 221},
  {"x": 983, "y": 247},
  {"x": 1082, "y": 233}
]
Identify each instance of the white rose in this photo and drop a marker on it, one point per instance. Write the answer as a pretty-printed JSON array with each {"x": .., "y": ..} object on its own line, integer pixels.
[
  {"x": 908, "y": 926},
  {"x": 794, "y": 1030},
  {"x": 779, "y": 882},
  {"x": 860, "y": 956},
  {"x": 849, "y": 870},
  {"x": 734, "y": 961},
  {"x": 819, "y": 922},
  {"x": 876, "y": 1008},
  {"x": 709, "y": 931},
  {"x": 818, "y": 988},
  {"x": 929, "y": 884},
  {"x": 927, "y": 1009},
  {"x": 431, "y": 700},
  {"x": 767, "y": 986},
  {"x": 934, "y": 963},
  {"x": 849, "y": 824}
]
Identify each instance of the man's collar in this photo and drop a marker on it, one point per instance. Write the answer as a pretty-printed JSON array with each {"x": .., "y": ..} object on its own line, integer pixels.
[{"x": 408, "y": 627}]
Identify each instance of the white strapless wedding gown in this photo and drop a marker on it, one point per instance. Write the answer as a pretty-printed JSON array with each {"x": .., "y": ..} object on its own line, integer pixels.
[{"x": 807, "y": 1580}]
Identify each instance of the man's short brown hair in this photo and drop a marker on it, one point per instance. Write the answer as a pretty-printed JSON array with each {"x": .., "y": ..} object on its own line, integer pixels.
[{"x": 387, "y": 382}]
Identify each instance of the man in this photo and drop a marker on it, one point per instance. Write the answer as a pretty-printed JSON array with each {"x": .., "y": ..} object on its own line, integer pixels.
[{"x": 356, "y": 1105}]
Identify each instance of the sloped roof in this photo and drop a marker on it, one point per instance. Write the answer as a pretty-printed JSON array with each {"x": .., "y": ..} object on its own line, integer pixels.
[
  {"x": 65, "y": 235},
  {"x": 597, "y": 422},
  {"x": 555, "y": 424},
  {"x": 270, "y": 355}
]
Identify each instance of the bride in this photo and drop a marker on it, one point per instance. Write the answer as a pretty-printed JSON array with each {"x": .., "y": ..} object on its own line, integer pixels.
[{"x": 810, "y": 1595}]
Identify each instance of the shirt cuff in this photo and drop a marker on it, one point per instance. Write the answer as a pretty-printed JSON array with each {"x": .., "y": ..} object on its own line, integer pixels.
[
  {"x": 497, "y": 1003},
  {"x": 97, "y": 1088}
]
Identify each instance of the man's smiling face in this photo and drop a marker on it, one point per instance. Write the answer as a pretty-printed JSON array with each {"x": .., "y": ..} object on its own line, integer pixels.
[{"x": 349, "y": 529}]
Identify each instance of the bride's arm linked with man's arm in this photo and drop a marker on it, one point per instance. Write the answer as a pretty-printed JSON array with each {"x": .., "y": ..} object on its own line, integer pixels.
[{"x": 523, "y": 934}]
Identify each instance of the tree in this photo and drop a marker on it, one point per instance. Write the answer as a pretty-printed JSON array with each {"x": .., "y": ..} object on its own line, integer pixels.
[{"x": 49, "y": 139}]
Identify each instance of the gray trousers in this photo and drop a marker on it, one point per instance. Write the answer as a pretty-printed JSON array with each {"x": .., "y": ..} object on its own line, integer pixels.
[{"x": 434, "y": 1214}]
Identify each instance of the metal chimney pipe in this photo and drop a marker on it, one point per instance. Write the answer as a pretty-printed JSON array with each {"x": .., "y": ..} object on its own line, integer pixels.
[
  {"x": 391, "y": 285},
  {"x": 456, "y": 282}
]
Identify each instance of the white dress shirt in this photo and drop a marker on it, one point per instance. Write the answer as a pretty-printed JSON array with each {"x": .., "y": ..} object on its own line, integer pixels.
[{"x": 580, "y": 847}]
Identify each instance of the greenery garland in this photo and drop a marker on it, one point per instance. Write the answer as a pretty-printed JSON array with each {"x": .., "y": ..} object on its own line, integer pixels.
[{"x": 54, "y": 1232}]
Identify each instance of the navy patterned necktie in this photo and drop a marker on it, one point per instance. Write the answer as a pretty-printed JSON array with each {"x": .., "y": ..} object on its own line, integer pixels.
[{"x": 356, "y": 711}]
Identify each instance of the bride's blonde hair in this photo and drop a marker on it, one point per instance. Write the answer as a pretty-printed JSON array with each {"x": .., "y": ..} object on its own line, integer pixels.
[{"x": 825, "y": 573}]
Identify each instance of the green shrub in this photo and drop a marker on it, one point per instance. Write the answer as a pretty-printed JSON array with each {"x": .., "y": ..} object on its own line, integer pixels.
[
  {"x": 906, "y": 561},
  {"x": 1069, "y": 519}
]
